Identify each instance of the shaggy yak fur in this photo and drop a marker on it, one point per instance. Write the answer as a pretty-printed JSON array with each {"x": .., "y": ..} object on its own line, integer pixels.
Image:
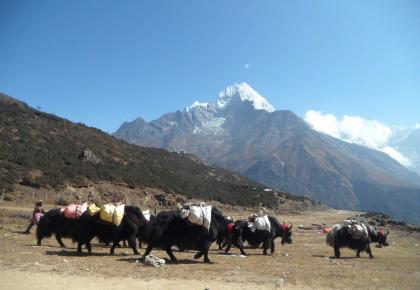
[
  {"x": 340, "y": 237},
  {"x": 243, "y": 233},
  {"x": 171, "y": 229},
  {"x": 54, "y": 222},
  {"x": 92, "y": 226}
]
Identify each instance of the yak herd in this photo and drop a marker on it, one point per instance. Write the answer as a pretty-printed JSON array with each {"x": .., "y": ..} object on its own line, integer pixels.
[{"x": 170, "y": 228}]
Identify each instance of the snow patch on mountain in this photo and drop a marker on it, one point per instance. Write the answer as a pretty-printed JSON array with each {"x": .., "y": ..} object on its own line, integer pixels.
[
  {"x": 234, "y": 95},
  {"x": 243, "y": 92},
  {"x": 197, "y": 104},
  {"x": 213, "y": 126}
]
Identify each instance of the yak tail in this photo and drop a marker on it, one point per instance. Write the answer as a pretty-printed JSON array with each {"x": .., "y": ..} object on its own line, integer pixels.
[{"x": 330, "y": 239}]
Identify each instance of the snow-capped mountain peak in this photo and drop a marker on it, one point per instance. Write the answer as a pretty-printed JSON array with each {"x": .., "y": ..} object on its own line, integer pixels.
[
  {"x": 197, "y": 104},
  {"x": 243, "y": 92}
]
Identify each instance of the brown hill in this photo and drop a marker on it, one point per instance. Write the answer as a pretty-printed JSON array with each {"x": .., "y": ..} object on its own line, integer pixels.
[{"x": 38, "y": 149}]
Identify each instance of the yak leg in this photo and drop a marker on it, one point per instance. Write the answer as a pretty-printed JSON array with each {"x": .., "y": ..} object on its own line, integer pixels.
[
  {"x": 38, "y": 242},
  {"x": 88, "y": 245},
  {"x": 272, "y": 247},
  {"x": 266, "y": 245},
  {"x": 206, "y": 252},
  {"x": 132, "y": 243},
  {"x": 369, "y": 252},
  {"x": 220, "y": 242},
  {"x": 337, "y": 252},
  {"x": 148, "y": 249},
  {"x": 79, "y": 247},
  {"x": 114, "y": 245},
  {"x": 358, "y": 252},
  {"x": 60, "y": 242},
  {"x": 228, "y": 246},
  {"x": 239, "y": 244},
  {"x": 198, "y": 255},
  {"x": 171, "y": 254}
]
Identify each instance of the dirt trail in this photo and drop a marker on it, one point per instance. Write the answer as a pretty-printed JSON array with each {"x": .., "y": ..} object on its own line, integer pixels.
[
  {"x": 44, "y": 281},
  {"x": 306, "y": 264}
]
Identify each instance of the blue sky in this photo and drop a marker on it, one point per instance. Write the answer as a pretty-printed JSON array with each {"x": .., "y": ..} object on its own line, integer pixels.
[{"x": 106, "y": 62}]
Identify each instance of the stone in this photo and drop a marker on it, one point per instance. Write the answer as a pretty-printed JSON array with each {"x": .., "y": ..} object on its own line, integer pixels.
[
  {"x": 88, "y": 156},
  {"x": 154, "y": 261},
  {"x": 279, "y": 283}
]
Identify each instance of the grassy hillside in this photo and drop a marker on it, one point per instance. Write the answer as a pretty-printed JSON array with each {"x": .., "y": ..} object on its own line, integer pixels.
[{"x": 43, "y": 150}]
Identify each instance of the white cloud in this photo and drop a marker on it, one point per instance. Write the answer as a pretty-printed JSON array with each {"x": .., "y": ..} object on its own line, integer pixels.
[
  {"x": 327, "y": 123},
  {"x": 246, "y": 66},
  {"x": 354, "y": 129},
  {"x": 397, "y": 156}
]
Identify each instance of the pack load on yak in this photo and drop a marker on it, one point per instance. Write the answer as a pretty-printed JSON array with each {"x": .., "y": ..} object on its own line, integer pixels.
[
  {"x": 146, "y": 214},
  {"x": 259, "y": 222},
  {"x": 197, "y": 214},
  {"x": 74, "y": 211},
  {"x": 93, "y": 209},
  {"x": 357, "y": 230},
  {"x": 112, "y": 213}
]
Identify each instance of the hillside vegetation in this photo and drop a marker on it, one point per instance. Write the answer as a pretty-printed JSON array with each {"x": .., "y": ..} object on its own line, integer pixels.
[{"x": 42, "y": 150}]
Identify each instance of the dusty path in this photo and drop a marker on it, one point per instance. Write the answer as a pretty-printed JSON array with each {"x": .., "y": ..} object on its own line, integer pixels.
[
  {"x": 43, "y": 281},
  {"x": 303, "y": 265}
]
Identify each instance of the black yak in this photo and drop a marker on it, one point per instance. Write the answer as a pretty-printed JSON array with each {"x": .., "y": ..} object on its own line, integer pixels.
[
  {"x": 340, "y": 237},
  {"x": 92, "y": 226},
  {"x": 171, "y": 229},
  {"x": 224, "y": 239},
  {"x": 242, "y": 232},
  {"x": 54, "y": 222},
  {"x": 145, "y": 231}
]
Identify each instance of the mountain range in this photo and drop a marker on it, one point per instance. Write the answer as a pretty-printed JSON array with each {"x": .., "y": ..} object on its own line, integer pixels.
[
  {"x": 41, "y": 150},
  {"x": 242, "y": 131},
  {"x": 407, "y": 141}
]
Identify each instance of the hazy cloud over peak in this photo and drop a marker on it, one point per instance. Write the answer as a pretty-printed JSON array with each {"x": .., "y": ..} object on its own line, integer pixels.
[{"x": 355, "y": 129}]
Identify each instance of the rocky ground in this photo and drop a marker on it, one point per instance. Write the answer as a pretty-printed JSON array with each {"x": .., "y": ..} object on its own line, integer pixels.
[{"x": 306, "y": 264}]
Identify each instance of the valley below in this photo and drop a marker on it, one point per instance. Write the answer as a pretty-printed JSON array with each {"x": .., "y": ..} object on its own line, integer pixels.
[{"x": 305, "y": 264}]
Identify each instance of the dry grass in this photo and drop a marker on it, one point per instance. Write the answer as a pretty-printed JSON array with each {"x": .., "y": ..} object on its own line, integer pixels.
[{"x": 304, "y": 264}]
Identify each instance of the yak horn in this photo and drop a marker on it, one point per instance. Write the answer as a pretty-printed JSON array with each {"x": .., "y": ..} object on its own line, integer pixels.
[{"x": 291, "y": 225}]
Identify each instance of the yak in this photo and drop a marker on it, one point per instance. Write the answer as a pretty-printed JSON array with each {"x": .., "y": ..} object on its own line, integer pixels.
[
  {"x": 340, "y": 237},
  {"x": 54, "y": 222},
  {"x": 171, "y": 229},
  {"x": 243, "y": 233},
  {"x": 144, "y": 232},
  {"x": 92, "y": 226},
  {"x": 224, "y": 239}
]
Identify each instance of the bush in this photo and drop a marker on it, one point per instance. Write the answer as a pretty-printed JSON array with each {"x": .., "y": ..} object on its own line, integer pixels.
[
  {"x": 8, "y": 197},
  {"x": 61, "y": 200},
  {"x": 22, "y": 215}
]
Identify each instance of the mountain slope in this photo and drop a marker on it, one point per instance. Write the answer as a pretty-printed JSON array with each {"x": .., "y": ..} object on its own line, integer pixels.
[
  {"x": 407, "y": 141},
  {"x": 40, "y": 149},
  {"x": 279, "y": 149}
]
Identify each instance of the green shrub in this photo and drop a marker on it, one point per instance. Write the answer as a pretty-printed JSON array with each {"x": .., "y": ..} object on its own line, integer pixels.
[
  {"x": 62, "y": 200},
  {"x": 8, "y": 197}
]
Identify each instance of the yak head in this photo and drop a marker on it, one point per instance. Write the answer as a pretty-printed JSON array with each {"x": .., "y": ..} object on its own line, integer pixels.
[
  {"x": 287, "y": 234},
  {"x": 381, "y": 238},
  {"x": 237, "y": 230}
]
